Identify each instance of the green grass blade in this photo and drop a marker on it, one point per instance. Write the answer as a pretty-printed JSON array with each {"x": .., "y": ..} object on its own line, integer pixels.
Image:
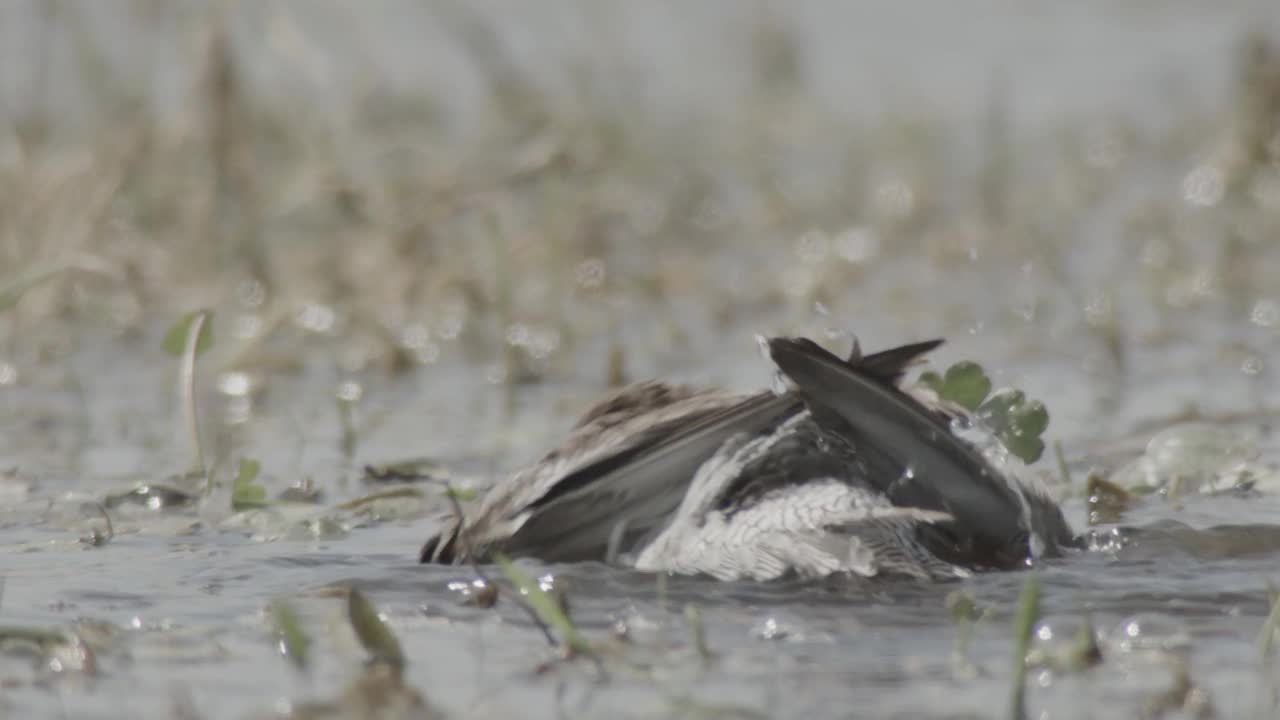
[
  {"x": 1023, "y": 624},
  {"x": 294, "y": 644},
  {"x": 373, "y": 633},
  {"x": 544, "y": 606}
]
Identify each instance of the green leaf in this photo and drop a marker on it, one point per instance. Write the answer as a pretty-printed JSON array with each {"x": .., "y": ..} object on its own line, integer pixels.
[
  {"x": 175, "y": 340},
  {"x": 245, "y": 494},
  {"x": 1017, "y": 422},
  {"x": 933, "y": 380},
  {"x": 374, "y": 635},
  {"x": 294, "y": 643},
  {"x": 965, "y": 384}
]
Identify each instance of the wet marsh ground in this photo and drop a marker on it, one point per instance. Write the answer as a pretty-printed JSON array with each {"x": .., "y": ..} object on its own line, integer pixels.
[{"x": 436, "y": 231}]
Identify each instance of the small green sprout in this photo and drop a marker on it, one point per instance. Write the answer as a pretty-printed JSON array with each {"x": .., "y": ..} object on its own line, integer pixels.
[
  {"x": 187, "y": 338},
  {"x": 245, "y": 493},
  {"x": 175, "y": 339}
]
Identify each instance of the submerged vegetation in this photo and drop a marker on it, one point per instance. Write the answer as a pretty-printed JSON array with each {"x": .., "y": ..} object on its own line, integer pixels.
[{"x": 343, "y": 271}]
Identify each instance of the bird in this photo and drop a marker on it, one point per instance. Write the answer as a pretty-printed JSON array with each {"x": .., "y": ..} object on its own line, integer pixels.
[{"x": 837, "y": 469}]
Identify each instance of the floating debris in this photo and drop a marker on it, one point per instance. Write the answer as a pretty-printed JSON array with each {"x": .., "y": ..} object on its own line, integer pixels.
[
  {"x": 304, "y": 491},
  {"x": 153, "y": 496},
  {"x": 363, "y": 502},
  {"x": 58, "y": 650},
  {"x": 478, "y": 592},
  {"x": 1106, "y": 501},
  {"x": 416, "y": 470},
  {"x": 98, "y": 538}
]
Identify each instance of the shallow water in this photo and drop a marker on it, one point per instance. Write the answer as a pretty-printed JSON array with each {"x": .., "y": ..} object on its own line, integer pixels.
[{"x": 174, "y": 605}]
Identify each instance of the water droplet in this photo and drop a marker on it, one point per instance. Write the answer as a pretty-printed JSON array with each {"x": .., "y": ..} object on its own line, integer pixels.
[
  {"x": 547, "y": 583},
  {"x": 453, "y": 317},
  {"x": 813, "y": 246},
  {"x": 495, "y": 374},
  {"x": 517, "y": 334},
  {"x": 590, "y": 273},
  {"x": 251, "y": 293},
  {"x": 895, "y": 199},
  {"x": 771, "y": 629},
  {"x": 1149, "y": 633},
  {"x": 1204, "y": 186},
  {"x": 1252, "y": 364},
  {"x": 246, "y": 326},
  {"x": 1102, "y": 148},
  {"x": 415, "y": 336},
  {"x": 857, "y": 245},
  {"x": 234, "y": 383},
  {"x": 350, "y": 391},
  {"x": 316, "y": 317},
  {"x": 1265, "y": 313}
]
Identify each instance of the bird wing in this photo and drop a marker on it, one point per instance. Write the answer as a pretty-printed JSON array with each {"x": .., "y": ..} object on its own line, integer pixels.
[
  {"x": 910, "y": 450},
  {"x": 636, "y": 489}
]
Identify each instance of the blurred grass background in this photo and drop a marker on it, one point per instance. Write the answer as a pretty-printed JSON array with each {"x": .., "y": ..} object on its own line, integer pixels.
[{"x": 562, "y": 217}]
